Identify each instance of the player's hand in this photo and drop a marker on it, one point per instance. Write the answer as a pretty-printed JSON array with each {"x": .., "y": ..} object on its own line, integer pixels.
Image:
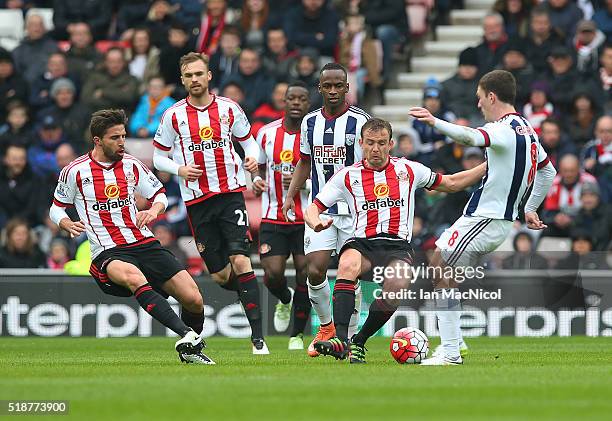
[
  {"x": 190, "y": 172},
  {"x": 287, "y": 181},
  {"x": 288, "y": 205},
  {"x": 322, "y": 224},
  {"x": 259, "y": 187},
  {"x": 145, "y": 217},
  {"x": 422, "y": 114},
  {"x": 250, "y": 164},
  {"x": 533, "y": 221},
  {"x": 74, "y": 228}
]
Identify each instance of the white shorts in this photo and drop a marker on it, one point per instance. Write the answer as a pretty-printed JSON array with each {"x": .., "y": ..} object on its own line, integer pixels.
[
  {"x": 332, "y": 238},
  {"x": 470, "y": 238}
]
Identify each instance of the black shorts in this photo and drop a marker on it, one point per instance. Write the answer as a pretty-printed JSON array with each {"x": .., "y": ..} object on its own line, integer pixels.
[
  {"x": 220, "y": 226},
  {"x": 156, "y": 263},
  {"x": 281, "y": 239},
  {"x": 380, "y": 250}
]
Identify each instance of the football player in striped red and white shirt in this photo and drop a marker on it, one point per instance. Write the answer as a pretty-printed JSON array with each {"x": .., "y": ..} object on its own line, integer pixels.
[
  {"x": 200, "y": 130},
  {"x": 127, "y": 259},
  {"x": 278, "y": 238},
  {"x": 380, "y": 193}
]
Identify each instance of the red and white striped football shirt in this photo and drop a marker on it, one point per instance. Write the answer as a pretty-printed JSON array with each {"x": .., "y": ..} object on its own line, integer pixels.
[
  {"x": 103, "y": 195},
  {"x": 382, "y": 201},
  {"x": 203, "y": 136},
  {"x": 281, "y": 153}
]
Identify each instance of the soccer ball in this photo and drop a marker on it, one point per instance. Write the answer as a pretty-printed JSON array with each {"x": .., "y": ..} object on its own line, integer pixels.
[{"x": 409, "y": 346}]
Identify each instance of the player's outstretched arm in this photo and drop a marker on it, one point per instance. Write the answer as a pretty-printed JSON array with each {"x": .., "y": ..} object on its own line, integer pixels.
[
  {"x": 312, "y": 218},
  {"x": 462, "y": 180},
  {"x": 162, "y": 162},
  {"x": 59, "y": 217},
  {"x": 541, "y": 184},
  {"x": 300, "y": 175},
  {"x": 460, "y": 134}
]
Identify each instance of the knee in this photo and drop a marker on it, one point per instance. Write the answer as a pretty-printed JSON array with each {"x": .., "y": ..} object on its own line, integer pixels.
[
  {"x": 240, "y": 263},
  {"x": 273, "y": 276},
  {"x": 193, "y": 301},
  {"x": 349, "y": 268},
  {"x": 315, "y": 274}
]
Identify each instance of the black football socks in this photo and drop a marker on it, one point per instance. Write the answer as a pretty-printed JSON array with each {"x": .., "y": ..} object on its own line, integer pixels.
[{"x": 159, "y": 309}]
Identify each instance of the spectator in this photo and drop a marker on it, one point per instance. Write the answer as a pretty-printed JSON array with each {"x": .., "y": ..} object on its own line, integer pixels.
[
  {"x": 41, "y": 154},
  {"x": 491, "y": 50},
  {"x": 564, "y": 16},
  {"x": 542, "y": 38},
  {"x": 306, "y": 69},
  {"x": 143, "y": 57},
  {"x": 253, "y": 79},
  {"x": 56, "y": 68},
  {"x": 516, "y": 16},
  {"x": 70, "y": 114},
  {"x": 130, "y": 15},
  {"x": 562, "y": 77},
  {"x": 587, "y": 43},
  {"x": 67, "y": 13},
  {"x": 313, "y": 24},
  {"x": 555, "y": 142},
  {"x": 431, "y": 139},
  {"x": 235, "y": 92},
  {"x": 158, "y": 22},
  {"x": 81, "y": 55},
  {"x": 581, "y": 257},
  {"x": 357, "y": 53},
  {"x": 213, "y": 22},
  {"x": 32, "y": 53},
  {"x": 603, "y": 19},
  {"x": 162, "y": 230},
  {"x": 12, "y": 86},
  {"x": 20, "y": 250},
  {"x": 270, "y": 110},
  {"x": 604, "y": 81},
  {"x": 597, "y": 156},
  {"x": 458, "y": 91},
  {"x": 581, "y": 122},
  {"x": 278, "y": 58},
  {"x": 17, "y": 128},
  {"x": 59, "y": 254},
  {"x": 19, "y": 187},
  {"x": 187, "y": 12},
  {"x": 177, "y": 46},
  {"x": 594, "y": 217},
  {"x": 538, "y": 108},
  {"x": 253, "y": 20},
  {"x": 563, "y": 200},
  {"x": 111, "y": 86},
  {"x": 408, "y": 144},
  {"x": 524, "y": 256},
  {"x": 515, "y": 62},
  {"x": 389, "y": 24},
  {"x": 152, "y": 105},
  {"x": 224, "y": 62}
]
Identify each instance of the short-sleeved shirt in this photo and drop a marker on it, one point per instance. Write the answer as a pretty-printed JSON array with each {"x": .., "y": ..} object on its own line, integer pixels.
[
  {"x": 103, "y": 195},
  {"x": 203, "y": 136}
]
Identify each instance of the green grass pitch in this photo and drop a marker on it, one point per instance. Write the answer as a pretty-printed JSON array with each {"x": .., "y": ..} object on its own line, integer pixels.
[{"x": 141, "y": 378}]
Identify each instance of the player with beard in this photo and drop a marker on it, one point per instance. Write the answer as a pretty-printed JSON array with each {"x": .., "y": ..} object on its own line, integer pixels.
[
  {"x": 200, "y": 129},
  {"x": 127, "y": 259},
  {"x": 329, "y": 142},
  {"x": 278, "y": 239}
]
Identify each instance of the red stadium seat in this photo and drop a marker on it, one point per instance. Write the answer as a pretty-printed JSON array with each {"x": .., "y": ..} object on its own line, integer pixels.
[{"x": 104, "y": 45}]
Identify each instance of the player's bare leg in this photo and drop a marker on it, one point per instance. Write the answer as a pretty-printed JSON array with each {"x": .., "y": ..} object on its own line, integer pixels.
[
  {"x": 276, "y": 282},
  {"x": 301, "y": 303},
  {"x": 128, "y": 275},
  {"x": 319, "y": 294}
]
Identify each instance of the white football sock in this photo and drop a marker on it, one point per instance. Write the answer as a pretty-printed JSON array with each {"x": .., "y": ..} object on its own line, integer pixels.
[
  {"x": 354, "y": 323},
  {"x": 448, "y": 313},
  {"x": 319, "y": 297}
]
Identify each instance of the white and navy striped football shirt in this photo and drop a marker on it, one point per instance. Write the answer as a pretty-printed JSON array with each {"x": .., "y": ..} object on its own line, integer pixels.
[
  {"x": 331, "y": 143},
  {"x": 514, "y": 154}
]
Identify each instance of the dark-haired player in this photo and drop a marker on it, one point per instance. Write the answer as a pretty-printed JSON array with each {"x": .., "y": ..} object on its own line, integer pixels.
[
  {"x": 329, "y": 142},
  {"x": 201, "y": 128},
  {"x": 278, "y": 238},
  {"x": 380, "y": 191},
  {"x": 127, "y": 259},
  {"x": 516, "y": 160}
]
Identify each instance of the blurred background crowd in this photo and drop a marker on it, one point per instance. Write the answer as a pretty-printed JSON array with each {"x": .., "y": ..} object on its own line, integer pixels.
[{"x": 60, "y": 60}]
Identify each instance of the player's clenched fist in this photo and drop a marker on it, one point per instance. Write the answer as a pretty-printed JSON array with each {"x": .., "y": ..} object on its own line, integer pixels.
[
  {"x": 75, "y": 228},
  {"x": 190, "y": 172}
]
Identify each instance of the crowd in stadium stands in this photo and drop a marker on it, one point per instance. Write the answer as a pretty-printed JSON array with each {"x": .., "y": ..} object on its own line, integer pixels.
[{"x": 124, "y": 54}]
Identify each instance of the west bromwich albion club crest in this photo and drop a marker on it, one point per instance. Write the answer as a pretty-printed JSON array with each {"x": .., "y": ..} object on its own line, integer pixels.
[{"x": 349, "y": 139}]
